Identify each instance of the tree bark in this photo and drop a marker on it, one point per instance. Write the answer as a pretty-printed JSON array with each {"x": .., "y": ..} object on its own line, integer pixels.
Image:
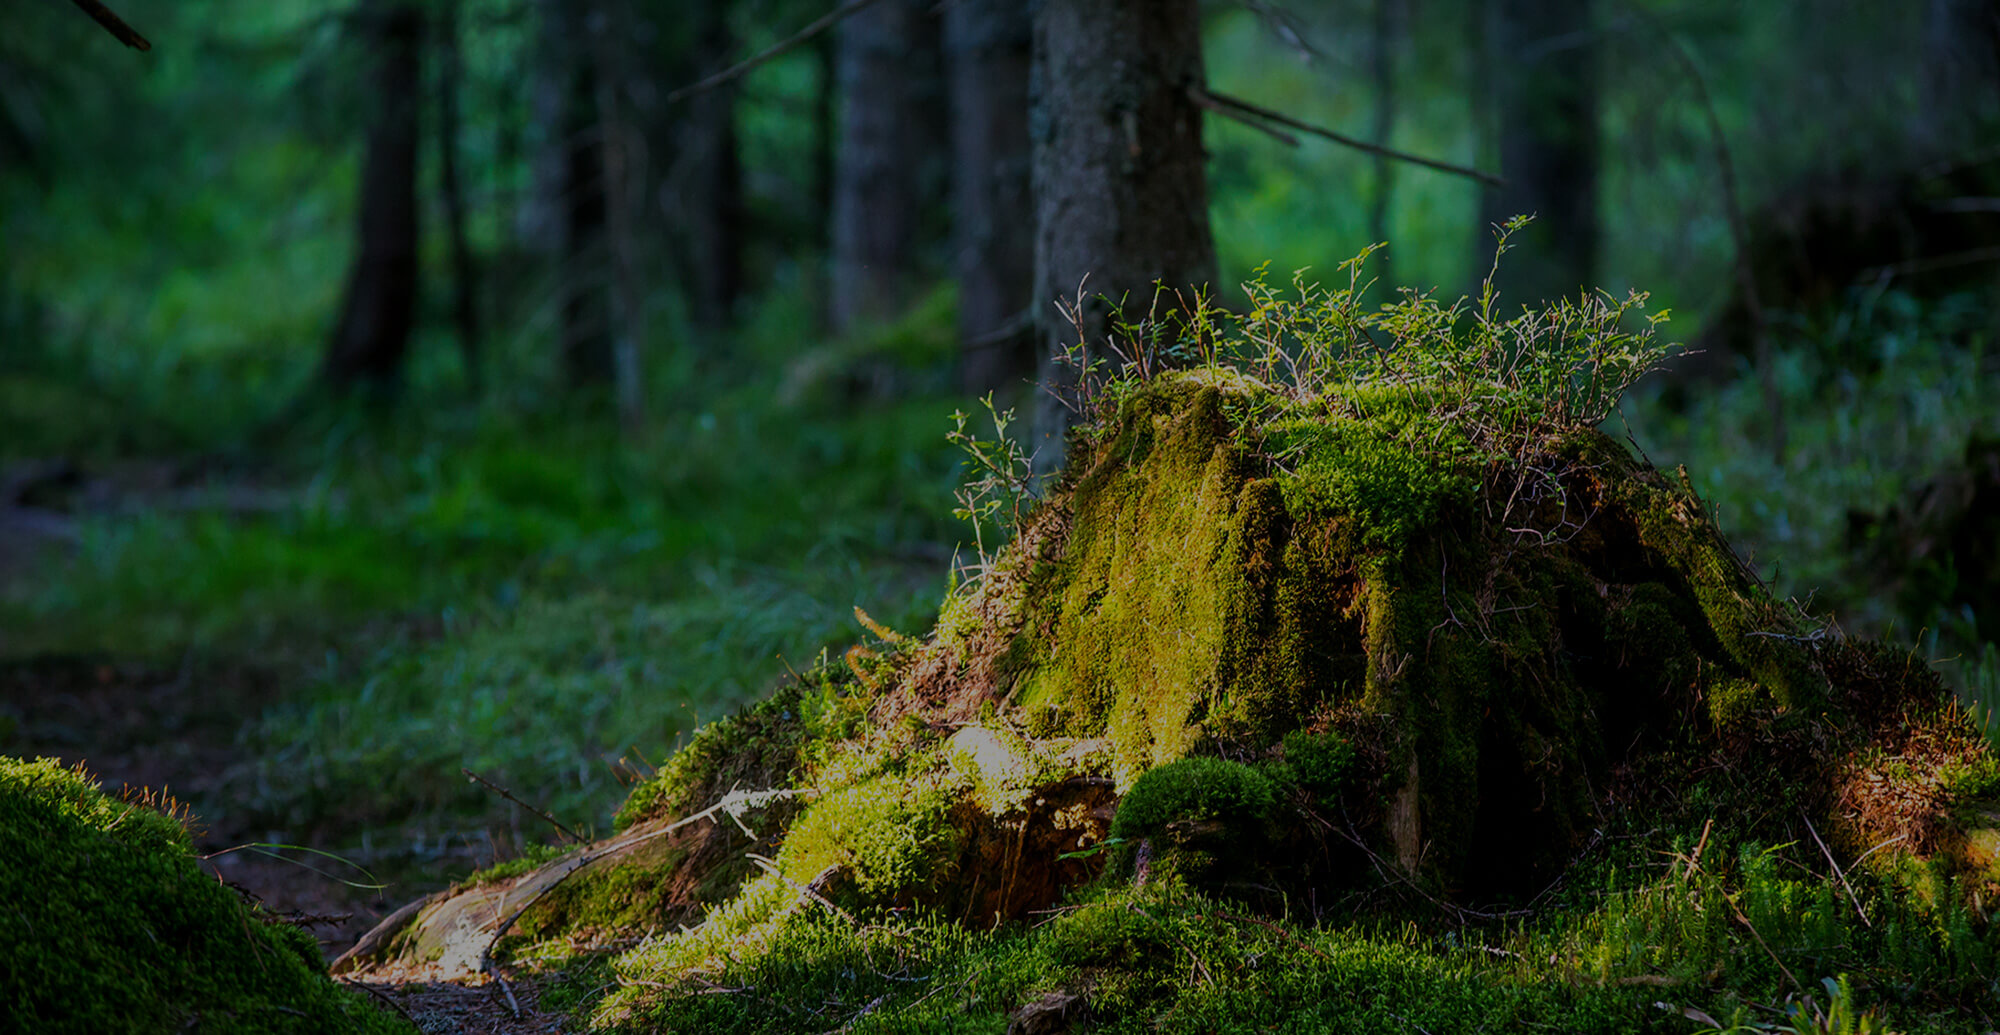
[
  {"x": 1120, "y": 184},
  {"x": 465, "y": 286},
  {"x": 1962, "y": 69},
  {"x": 711, "y": 210},
  {"x": 373, "y": 335},
  {"x": 1382, "y": 70},
  {"x": 1544, "y": 61},
  {"x": 879, "y": 170},
  {"x": 987, "y": 47},
  {"x": 826, "y": 142}
]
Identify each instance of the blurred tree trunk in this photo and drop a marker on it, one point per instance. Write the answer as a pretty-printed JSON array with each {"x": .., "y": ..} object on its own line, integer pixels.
[
  {"x": 710, "y": 198},
  {"x": 884, "y": 69},
  {"x": 373, "y": 335},
  {"x": 1382, "y": 70},
  {"x": 1542, "y": 57},
  {"x": 826, "y": 137},
  {"x": 1961, "y": 69},
  {"x": 465, "y": 288},
  {"x": 566, "y": 216},
  {"x": 987, "y": 46},
  {"x": 620, "y": 151},
  {"x": 1119, "y": 173}
]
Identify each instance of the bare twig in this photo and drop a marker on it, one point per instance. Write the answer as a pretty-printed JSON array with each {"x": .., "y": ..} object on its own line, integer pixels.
[
  {"x": 114, "y": 25},
  {"x": 1748, "y": 926},
  {"x": 379, "y": 994},
  {"x": 865, "y": 1011},
  {"x": 512, "y": 1003},
  {"x": 1851, "y": 896},
  {"x": 1204, "y": 96},
  {"x": 574, "y": 837},
  {"x": 776, "y": 50}
]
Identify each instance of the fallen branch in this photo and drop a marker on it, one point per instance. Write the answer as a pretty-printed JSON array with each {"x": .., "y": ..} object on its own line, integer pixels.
[
  {"x": 574, "y": 837},
  {"x": 733, "y": 805},
  {"x": 737, "y": 71},
  {"x": 114, "y": 25},
  {"x": 1210, "y": 99}
]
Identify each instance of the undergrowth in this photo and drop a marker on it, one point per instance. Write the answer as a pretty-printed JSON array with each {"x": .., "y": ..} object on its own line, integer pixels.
[
  {"x": 515, "y": 587},
  {"x": 1879, "y": 397}
]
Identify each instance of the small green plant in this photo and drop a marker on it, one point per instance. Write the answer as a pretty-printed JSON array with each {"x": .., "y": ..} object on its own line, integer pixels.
[
  {"x": 1803, "y": 1016},
  {"x": 999, "y": 478},
  {"x": 1437, "y": 396}
]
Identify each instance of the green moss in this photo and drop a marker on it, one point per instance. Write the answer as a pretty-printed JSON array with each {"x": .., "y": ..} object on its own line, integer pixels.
[
  {"x": 1320, "y": 763},
  {"x": 1193, "y": 790},
  {"x": 111, "y": 926},
  {"x": 531, "y": 858},
  {"x": 756, "y": 749},
  {"x": 1762, "y": 637},
  {"x": 891, "y": 836},
  {"x": 1391, "y": 476},
  {"x": 1148, "y": 583}
]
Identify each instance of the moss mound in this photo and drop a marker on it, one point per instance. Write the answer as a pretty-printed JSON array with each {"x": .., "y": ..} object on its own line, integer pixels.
[
  {"x": 111, "y": 926},
  {"x": 1404, "y": 646}
]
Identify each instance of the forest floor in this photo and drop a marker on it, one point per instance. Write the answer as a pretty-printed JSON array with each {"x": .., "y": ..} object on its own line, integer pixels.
[{"x": 178, "y": 731}]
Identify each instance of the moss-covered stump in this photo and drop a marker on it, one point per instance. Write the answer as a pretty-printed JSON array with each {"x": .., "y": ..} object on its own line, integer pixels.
[
  {"x": 108, "y": 924},
  {"x": 1331, "y": 651}
]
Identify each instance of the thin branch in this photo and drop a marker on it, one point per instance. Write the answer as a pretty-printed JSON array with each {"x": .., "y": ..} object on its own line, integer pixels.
[
  {"x": 737, "y": 71},
  {"x": 575, "y": 838},
  {"x": 1203, "y": 96},
  {"x": 1207, "y": 100},
  {"x": 1824, "y": 850},
  {"x": 114, "y": 25},
  {"x": 379, "y": 994}
]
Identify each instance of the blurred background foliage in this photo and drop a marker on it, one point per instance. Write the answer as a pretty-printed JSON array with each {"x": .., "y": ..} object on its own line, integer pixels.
[{"x": 516, "y": 554}]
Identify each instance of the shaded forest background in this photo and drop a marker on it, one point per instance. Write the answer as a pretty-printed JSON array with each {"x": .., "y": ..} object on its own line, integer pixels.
[{"x": 391, "y": 389}]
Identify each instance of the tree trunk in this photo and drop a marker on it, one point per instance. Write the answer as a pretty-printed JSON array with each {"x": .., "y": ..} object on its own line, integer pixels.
[
  {"x": 1120, "y": 184},
  {"x": 465, "y": 310},
  {"x": 879, "y": 169},
  {"x": 1382, "y": 70},
  {"x": 620, "y": 148},
  {"x": 1962, "y": 68},
  {"x": 826, "y": 137},
  {"x": 987, "y": 46},
  {"x": 375, "y": 321},
  {"x": 706, "y": 203},
  {"x": 1543, "y": 58}
]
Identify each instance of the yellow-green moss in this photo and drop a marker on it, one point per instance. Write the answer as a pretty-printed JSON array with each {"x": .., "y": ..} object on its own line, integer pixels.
[
  {"x": 110, "y": 925},
  {"x": 891, "y": 836}
]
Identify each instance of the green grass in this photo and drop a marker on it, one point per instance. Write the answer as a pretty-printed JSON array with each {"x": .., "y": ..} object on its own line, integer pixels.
[
  {"x": 526, "y": 592},
  {"x": 1633, "y": 951}
]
